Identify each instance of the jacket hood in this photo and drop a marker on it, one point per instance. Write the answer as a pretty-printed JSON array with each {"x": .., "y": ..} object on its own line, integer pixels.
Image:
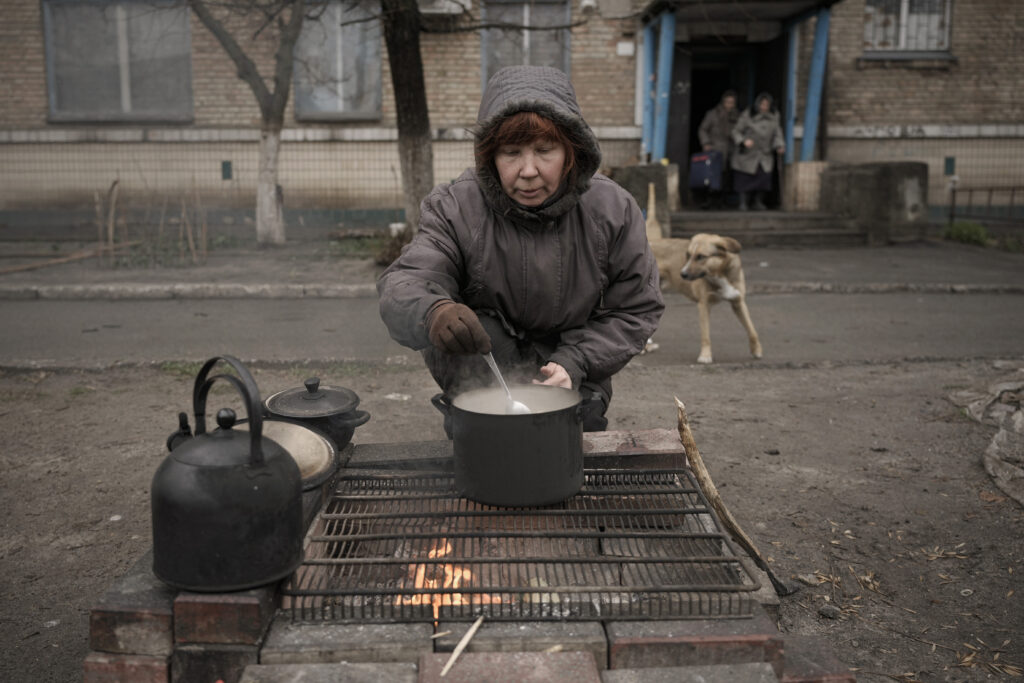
[{"x": 548, "y": 92}]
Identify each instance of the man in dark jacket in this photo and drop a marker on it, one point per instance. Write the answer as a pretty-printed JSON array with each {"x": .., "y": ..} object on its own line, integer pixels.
[{"x": 531, "y": 254}]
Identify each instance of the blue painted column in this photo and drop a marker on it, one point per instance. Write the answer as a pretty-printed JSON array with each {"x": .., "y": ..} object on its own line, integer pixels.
[
  {"x": 815, "y": 83},
  {"x": 648, "y": 86},
  {"x": 791, "y": 91},
  {"x": 666, "y": 51}
]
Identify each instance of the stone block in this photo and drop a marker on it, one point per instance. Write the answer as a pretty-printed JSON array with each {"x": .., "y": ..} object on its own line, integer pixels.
[
  {"x": 534, "y": 636},
  {"x": 330, "y": 673},
  {"x": 238, "y": 618},
  {"x": 636, "y": 180},
  {"x": 135, "y": 615},
  {"x": 511, "y": 667},
  {"x": 761, "y": 672},
  {"x": 641, "y": 644},
  {"x": 290, "y": 642},
  {"x": 103, "y": 667},
  {"x": 223, "y": 663},
  {"x": 809, "y": 659},
  {"x": 888, "y": 200}
]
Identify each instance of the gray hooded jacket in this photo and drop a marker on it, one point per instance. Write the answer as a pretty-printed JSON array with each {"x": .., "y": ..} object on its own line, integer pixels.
[{"x": 576, "y": 271}]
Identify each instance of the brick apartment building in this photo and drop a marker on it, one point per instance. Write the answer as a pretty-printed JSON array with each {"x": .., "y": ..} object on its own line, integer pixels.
[{"x": 140, "y": 92}]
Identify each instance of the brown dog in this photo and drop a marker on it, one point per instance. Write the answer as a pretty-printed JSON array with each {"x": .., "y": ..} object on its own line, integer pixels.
[{"x": 707, "y": 269}]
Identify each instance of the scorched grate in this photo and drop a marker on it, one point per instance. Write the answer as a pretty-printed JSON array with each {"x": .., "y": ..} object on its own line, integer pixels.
[{"x": 393, "y": 546}]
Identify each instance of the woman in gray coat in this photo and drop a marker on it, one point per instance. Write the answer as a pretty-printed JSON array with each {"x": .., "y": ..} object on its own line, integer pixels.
[
  {"x": 758, "y": 138},
  {"x": 531, "y": 255}
]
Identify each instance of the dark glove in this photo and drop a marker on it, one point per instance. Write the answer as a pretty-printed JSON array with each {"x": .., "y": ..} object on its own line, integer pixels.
[{"x": 455, "y": 328}]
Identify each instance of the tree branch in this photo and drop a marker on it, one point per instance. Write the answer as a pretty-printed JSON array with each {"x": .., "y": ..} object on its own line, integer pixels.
[
  {"x": 285, "y": 61},
  {"x": 247, "y": 70}
]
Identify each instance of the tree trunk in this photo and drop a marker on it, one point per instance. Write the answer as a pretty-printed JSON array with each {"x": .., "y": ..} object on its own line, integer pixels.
[
  {"x": 416, "y": 156},
  {"x": 269, "y": 195}
]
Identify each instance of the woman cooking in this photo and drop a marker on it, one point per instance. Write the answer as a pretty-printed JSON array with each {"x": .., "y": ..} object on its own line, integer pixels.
[{"x": 530, "y": 255}]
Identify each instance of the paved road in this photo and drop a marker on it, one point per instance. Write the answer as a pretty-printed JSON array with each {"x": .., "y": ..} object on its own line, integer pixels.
[{"x": 794, "y": 328}]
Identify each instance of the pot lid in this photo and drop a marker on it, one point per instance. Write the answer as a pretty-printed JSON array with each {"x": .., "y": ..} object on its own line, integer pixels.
[
  {"x": 313, "y": 452},
  {"x": 311, "y": 401}
]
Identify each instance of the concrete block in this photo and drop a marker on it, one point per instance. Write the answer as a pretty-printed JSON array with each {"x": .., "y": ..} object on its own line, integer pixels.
[
  {"x": 535, "y": 636},
  {"x": 135, "y": 615},
  {"x": 809, "y": 659},
  {"x": 636, "y": 180},
  {"x": 290, "y": 643},
  {"x": 330, "y": 673},
  {"x": 238, "y": 618},
  {"x": 103, "y": 667},
  {"x": 511, "y": 667},
  {"x": 640, "y": 644},
  {"x": 720, "y": 673}
]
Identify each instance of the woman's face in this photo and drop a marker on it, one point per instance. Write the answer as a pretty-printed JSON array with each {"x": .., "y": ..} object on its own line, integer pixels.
[
  {"x": 764, "y": 104},
  {"x": 531, "y": 172}
]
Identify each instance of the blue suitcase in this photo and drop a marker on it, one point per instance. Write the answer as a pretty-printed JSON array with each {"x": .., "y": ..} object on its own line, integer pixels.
[{"x": 706, "y": 170}]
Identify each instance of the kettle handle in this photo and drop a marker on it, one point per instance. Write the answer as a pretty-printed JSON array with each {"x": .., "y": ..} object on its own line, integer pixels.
[{"x": 246, "y": 386}]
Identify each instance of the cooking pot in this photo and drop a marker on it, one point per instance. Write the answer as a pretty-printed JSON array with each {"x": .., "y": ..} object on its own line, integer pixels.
[
  {"x": 332, "y": 410},
  {"x": 312, "y": 450},
  {"x": 518, "y": 460},
  {"x": 226, "y": 505}
]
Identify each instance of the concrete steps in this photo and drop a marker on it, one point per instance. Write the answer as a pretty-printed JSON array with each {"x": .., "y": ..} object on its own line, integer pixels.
[{"x": 772, "y": 228}]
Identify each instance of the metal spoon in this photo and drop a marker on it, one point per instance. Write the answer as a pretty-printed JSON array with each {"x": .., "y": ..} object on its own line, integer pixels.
[{"x": 512, "y": 407}]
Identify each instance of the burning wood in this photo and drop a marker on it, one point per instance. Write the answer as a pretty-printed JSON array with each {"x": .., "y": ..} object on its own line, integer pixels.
[{"x": 444, "y": 577}]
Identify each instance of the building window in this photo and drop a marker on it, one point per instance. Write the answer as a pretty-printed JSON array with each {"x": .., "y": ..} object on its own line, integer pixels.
[
  {"x": 337, "y": 64},
  {"x": 118, "y": 61},
  {"x": 518, "y": 45},
  {"x": 906, "y": 26}
]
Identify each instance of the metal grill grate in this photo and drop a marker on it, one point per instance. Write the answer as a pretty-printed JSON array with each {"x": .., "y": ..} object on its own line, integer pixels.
[{"x": 404, "y": 547}]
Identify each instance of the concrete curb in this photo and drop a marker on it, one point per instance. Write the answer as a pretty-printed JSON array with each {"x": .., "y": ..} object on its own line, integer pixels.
[
  {"x": 197, "y": 290},
  {"x": 213, "y": 290}
]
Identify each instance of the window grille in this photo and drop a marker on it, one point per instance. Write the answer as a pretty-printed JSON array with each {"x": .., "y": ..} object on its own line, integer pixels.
[
  {"x": 511, "y": 46},
  {"x": 338, "y": 64},
  {"x": 118, "y": 61},
  {"x": 906, "y": 26}
]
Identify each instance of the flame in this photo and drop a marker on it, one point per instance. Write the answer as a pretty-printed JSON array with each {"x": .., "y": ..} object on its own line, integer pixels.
[{"x": 443, "y": 576}]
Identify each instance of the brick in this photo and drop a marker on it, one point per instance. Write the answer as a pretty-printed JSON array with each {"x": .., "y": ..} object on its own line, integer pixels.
[
  {"x": 208, "y": 663},
  {"x": 640, "y": 448},
  {"x": 135, "y": 615},
  {"x": 809, "y": 659},
  {"x": 720, "y": 673},
  {"x": 330, "y": 673},
  {"x": 239, "y": 618},
  {"x": 511, "y": 667},
  {"x": 538, "y": 636},
  {"x": 290, "y": 643},
  {"x": 639, "y": 644},
  {"x": 103, "y": 667}
]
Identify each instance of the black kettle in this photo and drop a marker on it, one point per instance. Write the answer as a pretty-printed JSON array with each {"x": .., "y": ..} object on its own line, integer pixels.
[{"x": 226, "y": 505}]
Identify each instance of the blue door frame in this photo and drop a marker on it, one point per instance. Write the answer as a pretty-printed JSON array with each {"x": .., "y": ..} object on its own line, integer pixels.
[{"x": 657, "y": 78}]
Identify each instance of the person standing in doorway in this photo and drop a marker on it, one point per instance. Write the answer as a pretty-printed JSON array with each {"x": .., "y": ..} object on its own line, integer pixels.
[
  {"x": 758, "y": 138},
  {"x": 715, "y": 133}
]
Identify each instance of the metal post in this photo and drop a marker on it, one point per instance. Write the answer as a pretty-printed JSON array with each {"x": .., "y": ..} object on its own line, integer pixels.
[
  {"x": 815, "y": 83},
  {"x": 648, "y": 93},
  {"x": 666, "y": 51},
  {"x": 791, "y": 90}
]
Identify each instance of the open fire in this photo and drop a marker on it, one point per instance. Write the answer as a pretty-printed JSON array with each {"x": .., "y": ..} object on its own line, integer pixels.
[{"x": 446, "y": 577}]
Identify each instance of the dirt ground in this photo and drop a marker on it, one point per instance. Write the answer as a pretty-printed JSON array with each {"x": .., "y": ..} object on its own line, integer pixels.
[{"x": 861, "y": 480}]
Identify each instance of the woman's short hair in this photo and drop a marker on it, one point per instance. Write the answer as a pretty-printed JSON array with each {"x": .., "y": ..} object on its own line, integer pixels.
[{"x": 522, "y": 128}]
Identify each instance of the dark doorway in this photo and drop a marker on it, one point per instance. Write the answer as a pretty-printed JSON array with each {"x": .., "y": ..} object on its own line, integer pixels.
[{"x": 703, "y": 71}]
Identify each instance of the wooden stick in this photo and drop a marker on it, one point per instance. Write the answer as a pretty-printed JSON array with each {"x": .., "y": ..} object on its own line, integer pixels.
[
  {"x": 462, "y": 645},
  {"x": 711, "y": 493},
  {"x": 77, "y": 256},
  {"x": 653, "y": 224},
  {"x": 188, "y": 231}
]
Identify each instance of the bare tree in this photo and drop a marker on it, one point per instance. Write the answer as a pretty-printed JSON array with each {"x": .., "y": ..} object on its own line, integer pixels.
[
  {"x": 402, "y": 27},
  {"x": 283, "y": 18}
]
